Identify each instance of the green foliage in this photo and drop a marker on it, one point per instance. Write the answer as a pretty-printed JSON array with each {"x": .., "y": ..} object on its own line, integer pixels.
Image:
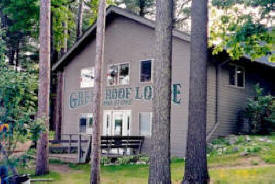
[
  {"x": 23, "y": 15},
  {"x": 261, "y": 112},
  {"x": 105, "y": 160},
  {"x": 137, "y": 6},
  {"x": 20, "y": 20},
  {"x": 241, "y": 27},
  {"x": 146, "y": 159},
  {"x": 61, "y": 14},
  {"x": 125, "y": 160},
  {"x": 18, "y": 106}
]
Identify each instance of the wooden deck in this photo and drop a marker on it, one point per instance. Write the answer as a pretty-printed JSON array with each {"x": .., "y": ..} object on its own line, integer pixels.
[{"x": 76, "y": 148}]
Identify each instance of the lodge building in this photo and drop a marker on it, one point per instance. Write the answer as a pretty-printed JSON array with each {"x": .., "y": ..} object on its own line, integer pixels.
[{"x": 128, "y": 78}]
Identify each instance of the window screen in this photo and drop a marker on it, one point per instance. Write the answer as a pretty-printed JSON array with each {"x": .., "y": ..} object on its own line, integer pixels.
[
  {"x": 145, "y": 123},
  {"x": 112, "y": 75},
  {"x": 118, "y": 74},
  {"x": 87, "y": 77},
  {"x": 240, "y": 77},
  {"x": 146, "y": 71},
  {"x": 124, "y": 74},
  {"x": 236, "y": 76}
]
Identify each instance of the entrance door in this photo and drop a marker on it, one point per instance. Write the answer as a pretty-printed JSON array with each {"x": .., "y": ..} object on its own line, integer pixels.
[{"x": 117, "y": 122}]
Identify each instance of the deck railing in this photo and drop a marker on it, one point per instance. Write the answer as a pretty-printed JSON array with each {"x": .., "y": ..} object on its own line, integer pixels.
[{"x": 70, "y": 143}]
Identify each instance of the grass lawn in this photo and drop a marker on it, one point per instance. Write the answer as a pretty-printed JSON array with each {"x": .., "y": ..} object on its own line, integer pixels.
[
  {"x": 137, "y": 174},
  {"x": 257, "y": 166}
]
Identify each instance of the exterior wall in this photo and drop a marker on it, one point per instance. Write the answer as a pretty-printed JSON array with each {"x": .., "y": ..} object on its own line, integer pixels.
[
  {"x": 130, "y": 42},
  {"x": 127, "y": 41},
  {"x": 211, "y": 96},
  {"x": 232, "y": 100}
]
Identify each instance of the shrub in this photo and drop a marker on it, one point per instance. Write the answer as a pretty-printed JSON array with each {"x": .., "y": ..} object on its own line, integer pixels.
[
  {"x": 260, "y": 111},
  {"x": 105, "y": 160},
  {"x": 18, "y": 106},
  {"x": 124, "y": 160},
  {"x": 144, "y": 159}
]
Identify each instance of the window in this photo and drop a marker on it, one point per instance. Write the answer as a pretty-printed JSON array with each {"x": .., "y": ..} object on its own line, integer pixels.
[
  {"x": 83, "y": 124},
  {"x": 145, "y": 123},
  {"x": 118, "y": 74},
  {"x": 86, "y": 123},
  {"x": 118, "y": 120},
  {"x": 236, "y": 76},
  {"x": 146, "y": 71},
  {"x": 87, "y": 77}
]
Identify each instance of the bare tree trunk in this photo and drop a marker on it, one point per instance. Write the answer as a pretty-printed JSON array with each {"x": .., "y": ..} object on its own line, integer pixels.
[
  {"x": 58, "y": 106},
  {"x": 10, "y": 55},
  {"x": 142, "y": 8},
  {"x": 96, "y": 136},
  {"x": 79, "y": 20},
  {"x": 17, "y": 55},
  {"x": 196, "y": 162},
  {"x": 42, "y": 162},
  {"x": 160, "y": 154}
]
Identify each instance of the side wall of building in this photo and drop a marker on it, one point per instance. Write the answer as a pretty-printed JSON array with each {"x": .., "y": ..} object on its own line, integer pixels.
[
  {"x": 129, "y": 42},
  {"x": 232, "y": 100}
]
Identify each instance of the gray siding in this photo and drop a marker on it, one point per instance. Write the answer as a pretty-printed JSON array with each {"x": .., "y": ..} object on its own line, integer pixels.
[{"x": 128, "y": 41}]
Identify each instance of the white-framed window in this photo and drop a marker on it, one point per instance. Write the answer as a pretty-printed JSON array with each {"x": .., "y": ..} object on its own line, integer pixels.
[
  {"x": 146, "y": 69},
  {"x": 145, "y": 123},
  {"x": 86, "y": 123},
  {"x": 236, "y": 76},
  {"x": 118, "y": 74},
  {"x": 87, "y": 77}
]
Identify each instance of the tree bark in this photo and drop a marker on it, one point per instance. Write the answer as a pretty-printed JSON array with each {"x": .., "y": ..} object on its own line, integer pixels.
[
  {"x": 58, "y": 106},
  {"x": 42, "y": 163},
  {"x": 79, "y": 20},
  {"x": 96, "y": 108},
  {"x": 196, "y": 161},
  {"x": 142, "y": 8},
  {"x": 160, "y": 154}
]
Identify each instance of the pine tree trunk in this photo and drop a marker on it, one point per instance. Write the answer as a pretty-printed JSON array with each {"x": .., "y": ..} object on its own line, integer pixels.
[
  {"x": 58, "y": 106},
  {"x": 196, "y": 162},
  {"x": 160, "y": 154},
  {"x": 96, "y": 136},
  {"x": 79, "y": 20},
  {"x": 142, "y": 8},
  {"x": 42, "y": 163}
]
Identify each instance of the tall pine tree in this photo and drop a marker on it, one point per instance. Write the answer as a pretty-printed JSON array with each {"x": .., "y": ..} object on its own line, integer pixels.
[
  {"x": 196, "y": 162},
  {"x": 42, "y": 162},
  {"x": 160, "y": 154},
  {"x": 96, "y": 108}
]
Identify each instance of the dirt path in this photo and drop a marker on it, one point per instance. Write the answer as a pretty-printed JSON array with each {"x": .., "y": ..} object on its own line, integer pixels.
[
  {"x": 244, "y": 167},
  {"x": 241, "y": 164},
  {"x": 62, "y": 168},
  {"x": 245, "y": 162}
]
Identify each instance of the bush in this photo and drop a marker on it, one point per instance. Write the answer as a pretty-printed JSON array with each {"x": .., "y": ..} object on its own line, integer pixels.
[
  {"x": 144, "y": 159},
  {"x": 105, "y": 160},
  {"x": 124, "y": 160},
  {"x": 260, "y": 111}
]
